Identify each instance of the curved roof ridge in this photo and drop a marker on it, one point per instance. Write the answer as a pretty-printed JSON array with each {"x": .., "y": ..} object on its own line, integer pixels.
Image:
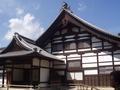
[
  {"x": 25, "y": 38},
  {"x": 89, "y": 24},
  {"x": 22, "y": 42},
  {"x": 35, "y": 48}
]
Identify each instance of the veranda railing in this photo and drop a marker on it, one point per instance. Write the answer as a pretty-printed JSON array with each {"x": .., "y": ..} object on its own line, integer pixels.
[
  {"x": 53, "y": 87},
  {"x": 68, "y": 87}
]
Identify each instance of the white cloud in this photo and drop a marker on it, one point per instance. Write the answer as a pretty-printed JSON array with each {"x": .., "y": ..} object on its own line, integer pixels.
[
  {"x": 82, "y": 7},
  {"x": 26, "y": 26},
  {"x": 19, "y": 11}
]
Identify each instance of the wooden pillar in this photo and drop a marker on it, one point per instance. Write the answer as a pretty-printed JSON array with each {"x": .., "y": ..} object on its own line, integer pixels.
[
  {"x": 31, "y": 70},
  {"x": 12, "y": 71},
  {"x": 49, "y": 82},
  {"x": 98, "y": 70},
  {"x": 90, "y": 41},
  {"x": 102, "y": 44},
  {"x": 82, "y": 68},
  {"x": 40, "y": 69},
  {"x": 66, "y": 70},
  {"x": 3, "y": 74},
  {"x": 113, "y": 61}
]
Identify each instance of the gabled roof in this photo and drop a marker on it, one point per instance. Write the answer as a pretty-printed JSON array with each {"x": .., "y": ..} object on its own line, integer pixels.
[
  {"x": 66, "y": 13},
  {"x": 17, "y": 42},
  {"x": 27, "y": 46}
]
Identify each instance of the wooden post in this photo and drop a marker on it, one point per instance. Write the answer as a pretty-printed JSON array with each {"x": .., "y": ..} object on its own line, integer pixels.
[{"x": 3, "y": 74}]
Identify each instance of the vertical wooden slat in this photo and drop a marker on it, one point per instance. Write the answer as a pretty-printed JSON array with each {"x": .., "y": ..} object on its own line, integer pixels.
[{"x": 113, "y": 61}]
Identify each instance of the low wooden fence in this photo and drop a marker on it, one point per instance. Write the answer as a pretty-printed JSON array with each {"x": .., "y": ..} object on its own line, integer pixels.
[
  {"x": 52, "y": 87},
  {"x": 15, "y": 87},
  {"x": 68, "y": 87}
]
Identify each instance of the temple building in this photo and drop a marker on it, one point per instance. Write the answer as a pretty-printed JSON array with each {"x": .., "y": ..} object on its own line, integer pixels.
[{"x": 71, "y": 50}]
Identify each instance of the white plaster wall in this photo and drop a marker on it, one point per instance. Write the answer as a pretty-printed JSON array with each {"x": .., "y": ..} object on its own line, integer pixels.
[
  {"x": 60, "y": 56},
  {"x": 117, "y": 57},
  {"x": 70, "y": 51},
  {"x": 74, "y": 55},
  {"x": 77, "y": 58},
  {"x": 89, "y": 54},
  {"x": 87, "y": 49},
  {"x": 89, "y": 65},
  {"x": 78, "y": 76},
  {"x": 35, "y": 62},
  {"x": 104, "y": 53},
  {"x": 96, "y": 48},
  {"x": 70, "y": 75},
  {"x": 44, "y": 75},
  {"x": 116, "y": 63},
  {"x": 43, "y": 85},
  {"x": 106, "y": 72},
  {"x": 89, "y": 59},
  {"x": 105, "y": 64},
  {"x": 105, "y": 58},
  {"x": 57, "y": 52},
  {"x": 90, "y": 72},
  {"x": 44, "y": 63},
  {"x": 74, "y": 76},
  {"x": 74, "y": 64}
]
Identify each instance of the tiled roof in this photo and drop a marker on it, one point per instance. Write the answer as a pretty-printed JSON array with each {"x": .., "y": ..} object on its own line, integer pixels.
[
  {"x": 91, "y": 28},
  {"x": 30, "y": 48}
]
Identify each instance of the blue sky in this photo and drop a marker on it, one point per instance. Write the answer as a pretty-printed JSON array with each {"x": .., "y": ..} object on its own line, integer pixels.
[{"x": 32, "y": 17}]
